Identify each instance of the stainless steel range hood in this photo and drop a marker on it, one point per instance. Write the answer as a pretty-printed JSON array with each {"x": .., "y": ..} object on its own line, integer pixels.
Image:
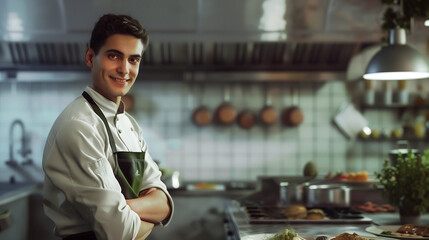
[{"x": 198, "y": 39}]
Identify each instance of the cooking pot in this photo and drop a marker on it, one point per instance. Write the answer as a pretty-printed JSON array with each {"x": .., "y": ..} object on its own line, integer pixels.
[
  {"x": 292, "y": 116},
  {"x": 268, "y": 114},
  {"x": 327, "y": 195},
  {"x": 283, "y": 190},
  {"x": 246, "y": 119},
  {"x": 225, "y": 113},
  {"x": 202, "y": 116},
  {"x": 403, "y": 149}
]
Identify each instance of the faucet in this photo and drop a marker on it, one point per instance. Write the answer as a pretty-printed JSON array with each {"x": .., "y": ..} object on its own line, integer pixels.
[{"x": 24, "y": 142}]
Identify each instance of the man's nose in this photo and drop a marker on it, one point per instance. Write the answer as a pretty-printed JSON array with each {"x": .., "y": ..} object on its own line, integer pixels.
[{"x": 124, "y": 67}]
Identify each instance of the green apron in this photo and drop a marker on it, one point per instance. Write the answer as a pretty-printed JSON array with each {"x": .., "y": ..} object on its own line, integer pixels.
[{"x": 129, "y": 166}]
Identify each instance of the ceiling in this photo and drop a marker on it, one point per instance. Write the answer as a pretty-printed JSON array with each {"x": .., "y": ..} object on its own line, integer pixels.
[{"x": 190, "y": 36}]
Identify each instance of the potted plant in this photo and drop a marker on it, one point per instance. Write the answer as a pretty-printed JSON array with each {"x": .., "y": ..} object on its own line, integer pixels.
[{"x": 406, "y": 185}]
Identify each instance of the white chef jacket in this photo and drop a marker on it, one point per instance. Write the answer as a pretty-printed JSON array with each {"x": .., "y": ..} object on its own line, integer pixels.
[{"x": 81, "y": 192}]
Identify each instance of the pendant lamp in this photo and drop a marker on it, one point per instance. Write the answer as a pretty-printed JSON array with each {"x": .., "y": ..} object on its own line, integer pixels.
[{"x": 397, "y": 61}]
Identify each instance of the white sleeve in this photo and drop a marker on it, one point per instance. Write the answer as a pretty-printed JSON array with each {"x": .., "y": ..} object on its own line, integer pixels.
[
  {"x": 82, "y": 171},
  {"x": 152, "y": 178}
]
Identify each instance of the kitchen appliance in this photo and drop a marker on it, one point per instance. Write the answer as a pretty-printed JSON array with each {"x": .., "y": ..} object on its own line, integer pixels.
[
  {"x": 336, "y": 198},
  {"x": 257, "y": 213},
  {"x": 190, "y": 41}
]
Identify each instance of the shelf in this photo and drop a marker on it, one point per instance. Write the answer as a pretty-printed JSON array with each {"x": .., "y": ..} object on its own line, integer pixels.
[{"x": 394, "y": 106}]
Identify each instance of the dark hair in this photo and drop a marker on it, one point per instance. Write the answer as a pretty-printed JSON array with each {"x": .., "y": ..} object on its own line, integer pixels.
[{"x": 110, "y": 24}]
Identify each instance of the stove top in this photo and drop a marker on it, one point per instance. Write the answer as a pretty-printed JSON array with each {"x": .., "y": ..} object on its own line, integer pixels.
[{"x": 273, "y": 214}]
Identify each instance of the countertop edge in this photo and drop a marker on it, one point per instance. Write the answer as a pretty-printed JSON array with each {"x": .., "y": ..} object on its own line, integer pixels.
[{"x": 20, "y": 193}]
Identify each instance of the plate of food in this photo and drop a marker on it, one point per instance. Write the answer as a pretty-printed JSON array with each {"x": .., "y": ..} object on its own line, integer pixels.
[
  {"x": 407, "y": 231},
  {"x": 261, "y": 236},
  {"x": 287, "y": 234}
]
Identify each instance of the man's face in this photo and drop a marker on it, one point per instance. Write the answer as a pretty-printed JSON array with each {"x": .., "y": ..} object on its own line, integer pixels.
[{"x": 115, "y": 68}]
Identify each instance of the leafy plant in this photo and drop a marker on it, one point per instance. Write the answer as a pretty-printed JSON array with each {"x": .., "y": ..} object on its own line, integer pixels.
[
  {"x": 402, "y": 18},
  {"x": 406, "y": 185}
]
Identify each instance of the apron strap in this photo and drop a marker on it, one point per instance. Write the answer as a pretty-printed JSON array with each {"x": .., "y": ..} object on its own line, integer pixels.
[{"x": 98, "y": 111}]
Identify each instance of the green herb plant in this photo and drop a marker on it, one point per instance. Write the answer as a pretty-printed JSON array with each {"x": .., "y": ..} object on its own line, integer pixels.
[{"x": 406, "y": 184}]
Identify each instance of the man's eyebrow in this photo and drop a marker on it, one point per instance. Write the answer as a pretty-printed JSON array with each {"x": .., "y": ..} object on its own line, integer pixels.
[{"x": 121, "y": 53}]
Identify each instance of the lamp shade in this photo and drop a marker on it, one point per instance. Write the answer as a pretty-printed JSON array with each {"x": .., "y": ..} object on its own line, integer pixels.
[{"x": 397, "y": 61}]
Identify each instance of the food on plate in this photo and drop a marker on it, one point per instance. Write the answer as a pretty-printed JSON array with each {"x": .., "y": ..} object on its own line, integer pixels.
[
  {"x": 295, "y": 212},
  {"x": 414, "y": 230},
  {"x": 348, "y": 236},
  {"x": 301, "y": 212},
  {"x": 287, "y": 234},
  {"x": 205, "y": 185},
  {"x": 351, "y": 176},
  {"x": 371, "y": 207},
  {"x": 315, "y": 214}
]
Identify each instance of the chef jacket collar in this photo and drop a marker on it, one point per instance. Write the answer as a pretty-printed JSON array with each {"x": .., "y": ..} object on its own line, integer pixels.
[{"x": 108, "y": 107}]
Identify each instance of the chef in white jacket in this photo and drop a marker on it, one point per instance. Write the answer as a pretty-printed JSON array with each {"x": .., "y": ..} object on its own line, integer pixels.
[{"x": 100, "y": 181}]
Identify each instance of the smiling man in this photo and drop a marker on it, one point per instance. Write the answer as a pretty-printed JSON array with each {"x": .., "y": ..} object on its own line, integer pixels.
[{"x": 100, "y": 181}]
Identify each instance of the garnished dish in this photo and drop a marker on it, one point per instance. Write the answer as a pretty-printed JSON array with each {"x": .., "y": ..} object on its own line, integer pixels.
[
  {"x": 287, "y": 234},
  {"x": 406, "y": 231},
  {"x": 349, "y": 236},
  {"x": 371, "y": 207}
]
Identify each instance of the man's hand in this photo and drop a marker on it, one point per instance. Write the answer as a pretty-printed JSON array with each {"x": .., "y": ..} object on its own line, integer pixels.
[{"x": 152, "y": 205}]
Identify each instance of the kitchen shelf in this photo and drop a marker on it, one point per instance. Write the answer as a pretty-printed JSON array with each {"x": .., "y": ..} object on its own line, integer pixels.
[{"x": 398, "y": 106}]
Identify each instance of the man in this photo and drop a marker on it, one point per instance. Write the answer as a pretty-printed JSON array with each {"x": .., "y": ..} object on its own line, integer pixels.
[{"x": 100, "y": 181}]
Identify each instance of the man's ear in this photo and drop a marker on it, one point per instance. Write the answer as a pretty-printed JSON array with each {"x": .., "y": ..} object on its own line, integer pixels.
[{"x": 89, "y": 57}]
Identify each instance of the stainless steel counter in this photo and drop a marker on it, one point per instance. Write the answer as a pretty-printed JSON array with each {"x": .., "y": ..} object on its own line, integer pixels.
[
  {"x": 10, "y": 192},
  {"x": 309, "y": 230}
]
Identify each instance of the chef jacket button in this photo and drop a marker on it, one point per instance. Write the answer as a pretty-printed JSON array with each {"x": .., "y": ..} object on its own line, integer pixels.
[
  {"x": 132, "y": 129},
  {"x": 119, "y": 130}
]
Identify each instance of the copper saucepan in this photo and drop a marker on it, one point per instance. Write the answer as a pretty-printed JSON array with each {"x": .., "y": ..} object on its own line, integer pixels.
[
  {"x": 246, "y": 119},
  {"x": 225, "y": 113},
  {"x": 268, "y": 115},
  {"x": 201, "y": 115},
  {"x": 292, "y": 116}
]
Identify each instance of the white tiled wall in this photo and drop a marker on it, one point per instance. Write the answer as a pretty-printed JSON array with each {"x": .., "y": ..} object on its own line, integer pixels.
[{"x": 164, "y": 108}]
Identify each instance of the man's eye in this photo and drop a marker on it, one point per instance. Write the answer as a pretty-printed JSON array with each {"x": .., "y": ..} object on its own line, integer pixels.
[
  {"x": 134, "y": 60},
  {"x": 113, "y": 56}
]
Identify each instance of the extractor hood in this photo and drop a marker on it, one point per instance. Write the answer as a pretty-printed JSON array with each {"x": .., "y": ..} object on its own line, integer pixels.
[{"x": 197, "y": 39}]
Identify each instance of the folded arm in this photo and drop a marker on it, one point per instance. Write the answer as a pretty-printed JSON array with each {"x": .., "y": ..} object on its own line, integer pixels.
[{"x": 152, "y": 205}]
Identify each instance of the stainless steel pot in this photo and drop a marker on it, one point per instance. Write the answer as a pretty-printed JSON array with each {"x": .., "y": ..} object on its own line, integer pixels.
[
  {"x": 282, "y": 190},
  {"x": 327, "y": 195}
]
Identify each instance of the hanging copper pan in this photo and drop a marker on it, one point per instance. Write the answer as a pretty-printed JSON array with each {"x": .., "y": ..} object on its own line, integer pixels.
[
  {"x": 268, "y": 115},
  {"x": 201, "y": 115},
  {"x": 225, "y": 113},
  {"x": 292, "y": 116}
]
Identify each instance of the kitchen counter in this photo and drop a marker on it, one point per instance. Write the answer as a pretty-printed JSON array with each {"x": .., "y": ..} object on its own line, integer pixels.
[
  {"x": 10, "y": 192},
  {"x": 243, "y": 228}
]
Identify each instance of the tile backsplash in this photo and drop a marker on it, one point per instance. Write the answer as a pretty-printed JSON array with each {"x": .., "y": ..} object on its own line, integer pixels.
[{"x": 164, "y": 108}]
